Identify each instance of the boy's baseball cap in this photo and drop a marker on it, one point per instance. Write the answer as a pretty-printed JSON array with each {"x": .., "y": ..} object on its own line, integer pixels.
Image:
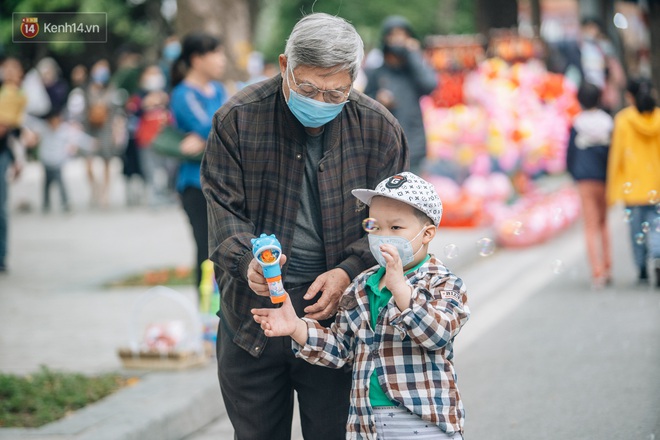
[{"x": 408, "y": 188}]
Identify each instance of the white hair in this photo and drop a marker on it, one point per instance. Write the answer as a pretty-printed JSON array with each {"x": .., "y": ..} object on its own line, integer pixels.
[{"x": 323, "y": 40}]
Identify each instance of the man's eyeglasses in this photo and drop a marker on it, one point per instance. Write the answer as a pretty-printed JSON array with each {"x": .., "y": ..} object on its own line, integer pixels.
[{"x": 330, "y": 96}]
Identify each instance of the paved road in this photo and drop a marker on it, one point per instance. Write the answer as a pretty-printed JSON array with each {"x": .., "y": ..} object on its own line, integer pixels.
[{"x": 543, "y": 355}]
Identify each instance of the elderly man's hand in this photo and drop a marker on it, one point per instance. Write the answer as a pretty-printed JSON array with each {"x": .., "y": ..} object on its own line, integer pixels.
[
  {"x": 255, "y": 277},
  {"x": 331, "y": 285}
]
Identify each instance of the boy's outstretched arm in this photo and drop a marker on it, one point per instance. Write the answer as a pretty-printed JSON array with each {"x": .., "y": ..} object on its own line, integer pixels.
[{"x": 281, "y": 321}]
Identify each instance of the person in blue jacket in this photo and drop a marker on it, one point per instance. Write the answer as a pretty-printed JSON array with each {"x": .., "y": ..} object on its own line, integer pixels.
[
  {"x": 586, "y": 162},
  {"x": 196, "y": 95}
]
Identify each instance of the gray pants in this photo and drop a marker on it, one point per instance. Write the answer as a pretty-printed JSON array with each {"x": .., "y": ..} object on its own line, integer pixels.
[
  {"x": 397, "y": 423},
  {"x": 54, "y": 176}
]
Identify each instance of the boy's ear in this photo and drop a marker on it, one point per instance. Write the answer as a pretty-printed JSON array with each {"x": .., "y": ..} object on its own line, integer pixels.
[{"x": 429, "y": 234}]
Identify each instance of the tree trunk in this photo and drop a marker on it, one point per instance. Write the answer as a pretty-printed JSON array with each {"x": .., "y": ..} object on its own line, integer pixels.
[
  {"x": 447, "y": 16},
  {"x": 229, "y": 19},
  {"x": 536, "y": 16},
  {"x": 654, "y": 27},
  {"x": 496, "y": 14}
]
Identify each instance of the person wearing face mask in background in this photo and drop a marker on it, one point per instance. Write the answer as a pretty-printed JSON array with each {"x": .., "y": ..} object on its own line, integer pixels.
[
  {"x": 196, "y": 96},
  {"x": 126, "y": 81},
  {"x": 169, "y": 54},
  {"x": 106, "y": 123},
  {"x": 399, "y": 83},
  {"x": 56, "y": 87},
  {"x": 282, "y": 157},
  {"x": 149, "y": 112},
  {"x": 410, "y": 306}
]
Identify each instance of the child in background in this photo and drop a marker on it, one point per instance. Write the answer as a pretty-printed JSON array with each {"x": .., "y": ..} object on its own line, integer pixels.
[
  {"x": 58, "y": 143},
  {"x": 396, "y": 322},
  {"x": 586, "y": 161}
]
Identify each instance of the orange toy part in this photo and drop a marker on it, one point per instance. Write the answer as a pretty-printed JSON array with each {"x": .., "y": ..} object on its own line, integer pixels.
[{"x": 267, "y": 256}]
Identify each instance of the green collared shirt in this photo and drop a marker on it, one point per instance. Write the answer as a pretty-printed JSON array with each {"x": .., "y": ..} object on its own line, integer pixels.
[{"x": 378, "y": 299}]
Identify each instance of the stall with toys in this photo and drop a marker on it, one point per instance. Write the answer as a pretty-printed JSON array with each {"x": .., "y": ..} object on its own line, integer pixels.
[
  {"x": 497, "y": 127},
  {"x": 168, "y": 330}
]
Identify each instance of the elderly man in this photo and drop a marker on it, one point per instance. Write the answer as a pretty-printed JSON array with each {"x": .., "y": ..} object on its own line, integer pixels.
[{"x": 282, "y": 158}]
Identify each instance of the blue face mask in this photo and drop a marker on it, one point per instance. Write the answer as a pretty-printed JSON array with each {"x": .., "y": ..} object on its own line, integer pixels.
[
  {"x": 101, "y": 75},
  {"x": 403, "y": 245},
  {"x": 310, "y": 112},
  {"x": 172, "y": 51}
]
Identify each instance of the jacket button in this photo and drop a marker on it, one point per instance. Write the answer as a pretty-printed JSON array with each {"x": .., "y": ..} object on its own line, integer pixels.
[
  {"x": 321, "y": 168},
  {"x": 298, "y": 156}
]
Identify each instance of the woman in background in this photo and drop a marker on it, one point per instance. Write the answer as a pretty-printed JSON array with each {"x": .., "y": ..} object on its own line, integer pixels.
[{"x": 196, "y": 96}]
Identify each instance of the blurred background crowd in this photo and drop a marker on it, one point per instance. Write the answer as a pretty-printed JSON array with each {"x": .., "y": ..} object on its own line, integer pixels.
[{"x": 491, "y": 116}]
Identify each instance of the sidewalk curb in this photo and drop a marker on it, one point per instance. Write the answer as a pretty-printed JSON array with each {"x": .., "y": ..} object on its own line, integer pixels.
[{"x": 161, "y": 406}]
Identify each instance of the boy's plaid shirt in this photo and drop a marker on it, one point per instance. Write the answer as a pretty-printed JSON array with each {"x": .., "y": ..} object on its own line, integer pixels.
[{"x": 410, "y": 350}]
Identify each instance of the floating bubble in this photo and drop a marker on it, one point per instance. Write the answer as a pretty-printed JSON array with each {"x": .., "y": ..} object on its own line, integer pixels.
[
  {"x": 451, "y": 251},
  {"x": 653, "y": 197},
  {"x": 486, "y": 246},
  {"x": 627, "y": 188},
  {"x": 557, "y": 267},
  {"x": 627, "y": 213},
  {"x": 640, "y": 238},
  {"x": 656, "y": 224},
  {"x": 369, "y": 224},
  {"x": 517, "y": 228},
  {"x": 645, "y": 227},
  {"x": 558, "y": 213}
]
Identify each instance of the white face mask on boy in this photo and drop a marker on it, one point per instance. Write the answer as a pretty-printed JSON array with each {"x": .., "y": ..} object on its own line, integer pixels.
[{"x": 402, "y": 245}]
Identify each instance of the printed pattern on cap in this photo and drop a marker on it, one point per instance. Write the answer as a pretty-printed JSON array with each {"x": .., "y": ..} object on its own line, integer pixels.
[{"x": 408, "y": 188}]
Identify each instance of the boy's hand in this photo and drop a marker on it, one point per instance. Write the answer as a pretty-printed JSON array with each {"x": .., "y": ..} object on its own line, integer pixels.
[
  {"x": 255, "y": 277},
  {"x": 394, "y": 278},
  {"x": 331, "y": 285},
  {"x": 281, "y": 321}
]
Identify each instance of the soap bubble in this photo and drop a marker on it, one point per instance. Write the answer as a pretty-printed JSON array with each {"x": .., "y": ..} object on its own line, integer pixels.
[
  {"x": 627, "y": 188},
  {"x": 645, "y": 227},
  {"x": 451, "y": 251},
  {"x": 656, "y": 224},
  {"x": 640, "y": 238},
  {"x": 653, "y": 197},
  {"x": 486, "y": 246},
  {"x": 558, "y": 213},
  {"x": 627, "y": 213},
  {"x": 369, "y": 224},
  {"x": 557, "y": 267},
  {"x": 517, "y": 228}
]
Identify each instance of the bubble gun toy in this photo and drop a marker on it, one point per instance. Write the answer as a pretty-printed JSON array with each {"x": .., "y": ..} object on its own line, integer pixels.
[{"x": 267, "y": 250}]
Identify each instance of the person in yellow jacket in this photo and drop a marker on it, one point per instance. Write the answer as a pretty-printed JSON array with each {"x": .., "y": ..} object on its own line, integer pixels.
[{"x": 633, "y": 173}]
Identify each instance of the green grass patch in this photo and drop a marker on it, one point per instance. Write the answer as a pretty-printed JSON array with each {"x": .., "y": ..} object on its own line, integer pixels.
[
  {"x": 171, "y": 276},
  {"x": 45, "y": 396}
]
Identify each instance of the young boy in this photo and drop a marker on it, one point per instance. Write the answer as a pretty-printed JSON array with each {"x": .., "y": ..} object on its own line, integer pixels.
[
  {"x": 396, "y": 322},
  {"x": 58, "y": 142}
]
